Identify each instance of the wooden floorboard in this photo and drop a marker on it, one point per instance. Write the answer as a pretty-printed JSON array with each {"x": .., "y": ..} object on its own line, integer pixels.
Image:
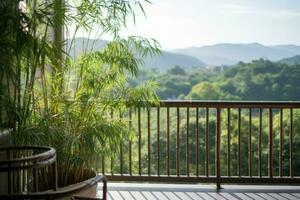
[
  {"x": 243, "y": 196},
  {"x": 194, "y": 195},
  {"x": 289, "y": 196},
  {"x": 130, "y": 191},
  {"x": 138, "y": 195},
  {"x": 160, "y": 195},
  {"x": 205, "y": 195},
  {"x": 171, "y": 195},
  {"x": 277, "y": 196}
]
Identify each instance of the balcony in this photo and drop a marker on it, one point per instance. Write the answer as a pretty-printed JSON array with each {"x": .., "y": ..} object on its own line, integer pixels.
[
  {"x": 208, "y": 142},
  {"x": 211, "y": 146}
]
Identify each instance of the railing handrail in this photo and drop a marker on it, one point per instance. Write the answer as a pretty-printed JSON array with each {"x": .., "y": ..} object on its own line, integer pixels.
[{"x": 229, "y": 104}]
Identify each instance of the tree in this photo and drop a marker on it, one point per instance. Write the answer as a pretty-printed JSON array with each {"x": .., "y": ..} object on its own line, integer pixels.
[
  {"x": 176, "y": 70},
  {"x": 204, "y": 91}
]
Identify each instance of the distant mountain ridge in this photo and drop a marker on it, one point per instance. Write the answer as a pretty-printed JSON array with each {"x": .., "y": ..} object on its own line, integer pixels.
[
  {"x": 78, "y": 45},
  {"x": 162, "y": 63},
  {"x": 230, "y": 54},
  {"x": 198, "y": 57},
  {"x": 168, "y": 60}
]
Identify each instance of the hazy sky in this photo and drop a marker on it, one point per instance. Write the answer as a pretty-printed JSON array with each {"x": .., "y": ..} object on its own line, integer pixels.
[{"x": 185, "y": 23}]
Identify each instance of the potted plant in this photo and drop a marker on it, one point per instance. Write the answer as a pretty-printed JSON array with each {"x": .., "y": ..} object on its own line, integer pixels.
[{"x": 55, "y": 100}]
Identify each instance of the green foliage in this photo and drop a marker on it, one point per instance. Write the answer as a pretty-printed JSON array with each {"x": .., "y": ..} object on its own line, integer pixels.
[
  {"x": 172, "y": 86},
  {"x": 51, "y": 99},
  {"x": 295, "y": 60},
  {"x": 176, "y": 70},
  {"x": 260, "y": 80},
  {"x": 204, "y": 91},
  {"x": 176, "y": 83}
]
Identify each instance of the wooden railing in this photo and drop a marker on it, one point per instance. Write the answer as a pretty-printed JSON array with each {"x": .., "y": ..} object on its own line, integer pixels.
[{"x": 210, "y": 141}]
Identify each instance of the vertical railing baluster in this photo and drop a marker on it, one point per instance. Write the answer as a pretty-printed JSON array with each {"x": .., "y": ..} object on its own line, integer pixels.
[
  {"x": 130, "y": 143},
  {"x": 218, "y": 148},
  {"x": 139, "y": 141},
  {"x": 121, "y": 158},
  {"x": 177, "y": 142},
  {"x": 111, "y": 157},
  {"x": 228, "y": 142},
  {"x": 291, "y": 143},
  {"x": 280, "y": 142},
  {"x": 250, "y": 143},
  {"x": 158, "y": 141},
  {"x": 259, "y": 143},
  {"x": 121, "y": 150},
  {"x": 270, "y": 163},
  {"x": 239, "y": 142},
  {"x": 149, "y": 141},
  {"x": 207, "y": 143},
  {"x": 103, "y": 164},
  {"x": 197, "y": 141},
  {"x": 112, "y": 165},
  {"x": 187, "y": 141},
  {"x": 168, "y": 141}
]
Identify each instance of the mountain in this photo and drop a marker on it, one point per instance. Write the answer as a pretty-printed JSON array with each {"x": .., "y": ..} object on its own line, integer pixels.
[
  {"x": 168, "y": 60},
  {"x": 161, "y": 62},
  {"x": 295, "y": 60},
  {"x": 230, "y": 54},
  {"x": 76, "y": 47},
  {"x": 294, "y": 49}
]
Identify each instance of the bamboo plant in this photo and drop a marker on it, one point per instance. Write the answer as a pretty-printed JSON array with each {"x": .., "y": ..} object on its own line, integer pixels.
[{"x": 49, "y": 98}]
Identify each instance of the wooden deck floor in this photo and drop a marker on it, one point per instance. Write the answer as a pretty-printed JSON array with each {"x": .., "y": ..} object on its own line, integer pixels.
[{"x": 132, "y": 191}]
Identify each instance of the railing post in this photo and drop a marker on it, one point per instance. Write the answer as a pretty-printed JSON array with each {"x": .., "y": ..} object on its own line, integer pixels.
[
  {"x": 104, "y": 192},
  {"x": 291, "y": 145},
  {"x": 270, "y": 164},
  {"x": 139, "y": 142},
  {"x": 218, "y": 143},
  {"x": 129, "y": 142},
  {"x": 177, "y": 142}
]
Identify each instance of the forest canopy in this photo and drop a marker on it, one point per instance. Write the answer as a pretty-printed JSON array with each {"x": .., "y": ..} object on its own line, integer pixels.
[{"x": 258, "y": 80}]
